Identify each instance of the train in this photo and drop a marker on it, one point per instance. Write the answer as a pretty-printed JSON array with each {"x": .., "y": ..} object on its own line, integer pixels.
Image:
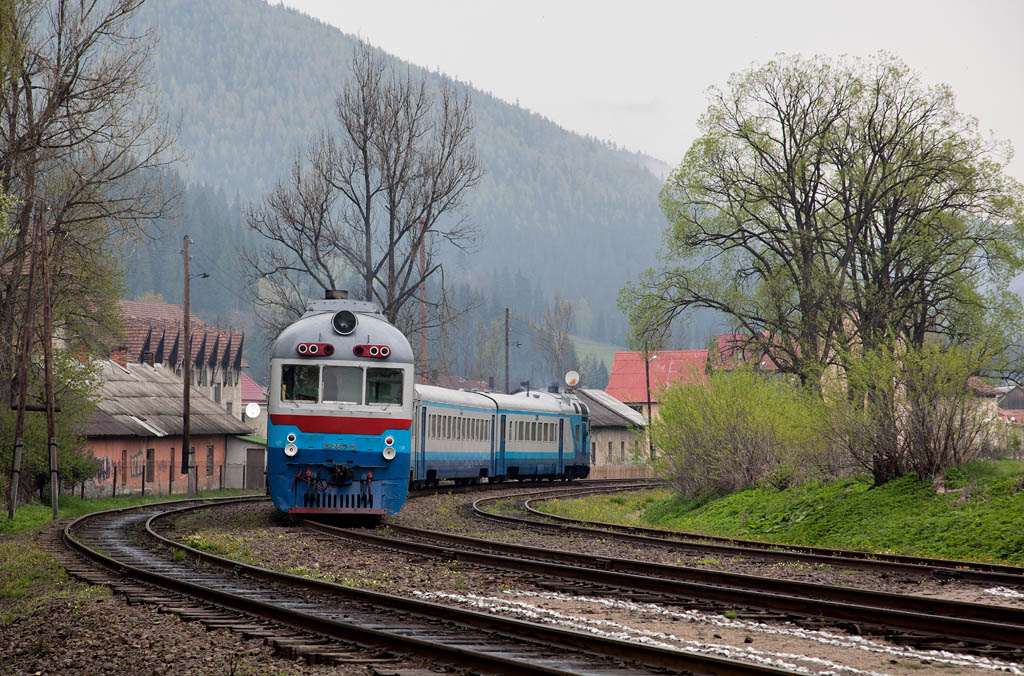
[{"x": 349, "y": 432}]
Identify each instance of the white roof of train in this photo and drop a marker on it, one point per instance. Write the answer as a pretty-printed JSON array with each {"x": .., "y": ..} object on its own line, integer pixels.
[{"x": 539, "y": 402}]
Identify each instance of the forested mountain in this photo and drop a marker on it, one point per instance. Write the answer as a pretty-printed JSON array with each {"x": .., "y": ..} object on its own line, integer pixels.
[{"x": 252, "y": 83}]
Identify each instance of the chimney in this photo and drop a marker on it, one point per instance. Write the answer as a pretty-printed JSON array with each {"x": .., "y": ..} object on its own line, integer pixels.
[
  {"x": 120, "y": 356},
  {"x": 148, "y": 358},
  {"x": 335, "y": 294}
]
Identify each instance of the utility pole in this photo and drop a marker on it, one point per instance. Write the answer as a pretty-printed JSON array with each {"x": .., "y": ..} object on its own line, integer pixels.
[
  {"x": 51, "y": 426},
  {"x": 423, "y": 297},
  {"x": 647, "y": 378},
  {"x": 26, "y": 349},
  {"x": 186, "y": 371},
  {"x": 506, "y": 352}
]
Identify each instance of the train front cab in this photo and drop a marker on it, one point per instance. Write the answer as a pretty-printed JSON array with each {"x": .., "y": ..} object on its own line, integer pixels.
[{"x": 338, "y": 438}]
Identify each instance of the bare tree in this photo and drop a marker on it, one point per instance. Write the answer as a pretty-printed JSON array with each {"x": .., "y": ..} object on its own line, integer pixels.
[
  {"x": 377, "y": 201},
  {"x": 554, "y": 336},
  {"x": 79, "y": 136}
]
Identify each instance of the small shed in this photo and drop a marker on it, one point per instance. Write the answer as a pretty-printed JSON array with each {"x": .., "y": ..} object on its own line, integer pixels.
[{"x": 246, "y": 462}]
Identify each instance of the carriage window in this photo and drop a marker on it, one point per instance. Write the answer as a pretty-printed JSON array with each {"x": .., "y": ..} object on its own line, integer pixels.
[
  {"x": 384, "y": 386},
  {"x": 300, "y": 382},
  {"x": 343, "y": 383}
]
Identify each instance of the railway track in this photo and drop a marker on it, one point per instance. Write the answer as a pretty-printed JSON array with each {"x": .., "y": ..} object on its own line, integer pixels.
[
  {"x": 915, "y": 566},
  {"x": 996, "y": 631},
  {"x": 329, "y": 622}
]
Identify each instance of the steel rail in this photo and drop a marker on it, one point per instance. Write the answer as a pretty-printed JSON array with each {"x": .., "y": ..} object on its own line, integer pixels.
[
  {"x": 976, "y": 623},
  {"x": 514, "y": 629},
  {"x": 347, "y": 632},
  {"x": 946, "y": 569}
]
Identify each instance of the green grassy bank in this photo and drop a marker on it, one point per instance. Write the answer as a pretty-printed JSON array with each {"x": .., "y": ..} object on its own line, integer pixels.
[{"x": 980, "y": 517}]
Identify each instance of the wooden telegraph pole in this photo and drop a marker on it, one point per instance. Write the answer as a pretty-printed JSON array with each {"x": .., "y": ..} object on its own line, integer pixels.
[
  {"x": 51, "y": 427},
  {"x": 506, "y": 352},
  {"x": 186, "y": 371},
  {"x": 26, "y": 349}
]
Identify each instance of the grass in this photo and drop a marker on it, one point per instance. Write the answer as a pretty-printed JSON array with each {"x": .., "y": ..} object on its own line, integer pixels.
[
  {"x": 37, "y": 514},
  {"x": 978, "y": 519},
  {"x": 31, "y": 580}
]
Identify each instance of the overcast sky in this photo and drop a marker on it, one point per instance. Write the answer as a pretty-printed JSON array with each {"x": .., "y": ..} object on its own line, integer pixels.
[{"x": 635, "y": 73}]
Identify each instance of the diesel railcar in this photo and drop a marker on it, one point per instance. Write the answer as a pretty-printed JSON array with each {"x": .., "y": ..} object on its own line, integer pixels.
[
  {"x": 349, "y": 432},
  {"x": 340, "y": 409}
]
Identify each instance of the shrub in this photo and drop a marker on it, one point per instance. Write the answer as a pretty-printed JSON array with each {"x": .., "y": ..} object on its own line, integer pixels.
[
  {"x": 737, "y": 429},
  {"x": 911, "y": 411}
]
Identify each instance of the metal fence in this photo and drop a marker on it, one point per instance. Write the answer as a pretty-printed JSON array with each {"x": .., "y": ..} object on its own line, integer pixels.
[{"x": 166, "y": 478}]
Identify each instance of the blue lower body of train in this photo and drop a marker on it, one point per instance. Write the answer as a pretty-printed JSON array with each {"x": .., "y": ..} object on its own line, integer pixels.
[{"x": 342, "y": 474}]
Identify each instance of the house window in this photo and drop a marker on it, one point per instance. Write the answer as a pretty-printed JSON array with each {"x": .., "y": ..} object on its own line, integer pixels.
[
  {"x": 184, "y": 461},
  {"x": 593, "y": 452},
  {"x": 230, "y": 407},
  {"x": 209, "y": 461},
  {"x": 622, "y": 450},
  {"x": 609, "y": 451},
  {"x": 150, "y": 469},
  {"x": 216, "y": 392},
  {"x": 124, "y": 467}
]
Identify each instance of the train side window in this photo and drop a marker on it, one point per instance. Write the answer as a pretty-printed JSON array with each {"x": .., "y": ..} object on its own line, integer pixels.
[
  {"x": 343, "y": 384},
  {"x": 300, "y": 382},
  {"x": 384, "y": 386}
]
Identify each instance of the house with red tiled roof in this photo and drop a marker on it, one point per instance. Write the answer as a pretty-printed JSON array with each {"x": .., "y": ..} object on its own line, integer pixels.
[
  {"x": 630, "y": 381},
  {"x": 154, "y": 333}
]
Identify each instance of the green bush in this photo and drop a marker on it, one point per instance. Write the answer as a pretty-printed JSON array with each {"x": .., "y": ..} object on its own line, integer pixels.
[{"x": 737, "y": 429}]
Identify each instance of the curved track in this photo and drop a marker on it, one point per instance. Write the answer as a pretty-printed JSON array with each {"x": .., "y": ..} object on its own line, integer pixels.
[{"x": 371, "y": 626}]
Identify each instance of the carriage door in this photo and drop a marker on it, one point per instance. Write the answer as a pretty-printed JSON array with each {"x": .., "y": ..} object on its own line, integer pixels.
[
  {"x": 561, "y": 444},
  {"x": 494, "y": 465},
  {"x": 501, "y": 446},
  {"x": 421, "y": 455}
]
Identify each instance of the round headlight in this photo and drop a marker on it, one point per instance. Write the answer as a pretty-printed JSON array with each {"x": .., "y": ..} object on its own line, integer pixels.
[
  {"x": 389, "y": 453},
  {"x": 344, "y": 322},
  {"x": 290, "y": 450},
  {"x": 291, "y": 438},
  {"x": 389, "y": 441}
]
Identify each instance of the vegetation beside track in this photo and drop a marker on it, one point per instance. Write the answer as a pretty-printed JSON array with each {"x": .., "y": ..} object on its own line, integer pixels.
[
  {"x": 977, "y": 518},
  {"x": 31, "y": 580}
]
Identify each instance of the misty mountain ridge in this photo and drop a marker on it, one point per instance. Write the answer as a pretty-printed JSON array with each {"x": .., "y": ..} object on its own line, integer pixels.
[{"x": 253, "y": 83}]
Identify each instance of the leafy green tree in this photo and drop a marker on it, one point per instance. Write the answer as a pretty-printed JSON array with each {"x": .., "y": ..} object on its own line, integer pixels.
[{"x": 834, "y": 206}]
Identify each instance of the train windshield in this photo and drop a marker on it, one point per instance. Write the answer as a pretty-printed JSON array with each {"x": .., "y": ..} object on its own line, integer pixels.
[
  {"x": 384, "y": 386},
  {"x": 300, "y": 382},
  {"x": 336, "y": 384},
  {"x": 343, "y": 384}
]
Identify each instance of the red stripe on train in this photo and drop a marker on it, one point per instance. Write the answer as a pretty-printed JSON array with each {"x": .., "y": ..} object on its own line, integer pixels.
[{"x": 325, "y": 424}]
